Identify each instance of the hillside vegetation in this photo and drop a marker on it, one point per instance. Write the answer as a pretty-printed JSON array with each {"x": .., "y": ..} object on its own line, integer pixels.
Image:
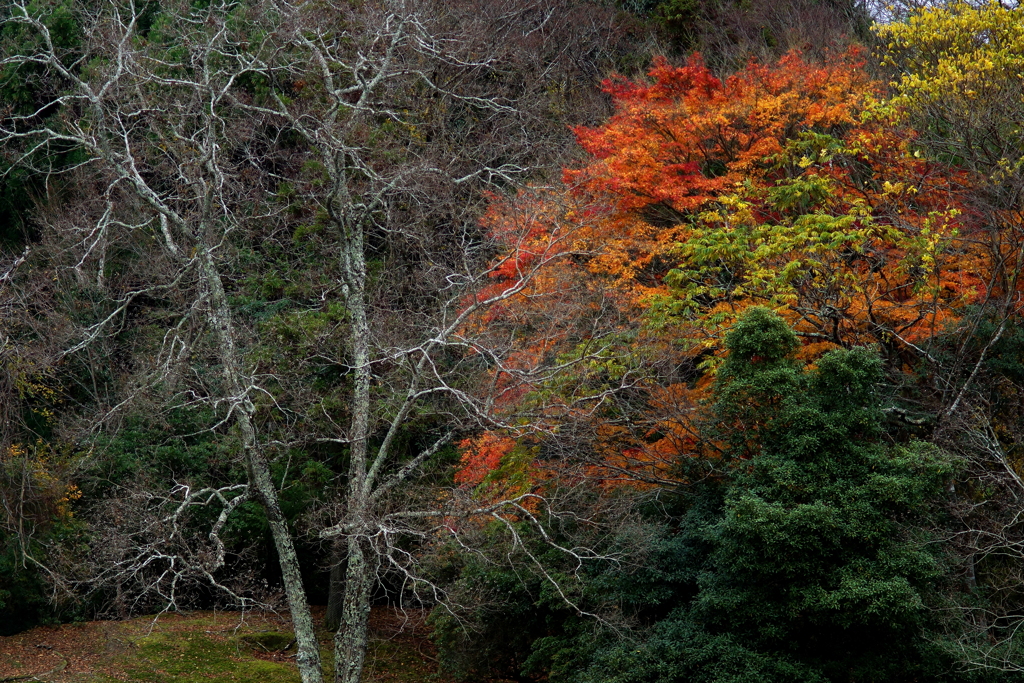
[{"x": 636, "y": 341}]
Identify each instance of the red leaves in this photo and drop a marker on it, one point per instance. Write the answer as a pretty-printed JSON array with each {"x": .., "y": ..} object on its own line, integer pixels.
[
  {"x": 481, "y": 455},
  {"x": 687, "y": 136},
  {"x": 785, "y": 185}
]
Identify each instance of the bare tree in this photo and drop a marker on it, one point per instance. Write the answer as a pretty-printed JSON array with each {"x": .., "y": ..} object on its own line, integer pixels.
[
  {"x": 188, "y": 125},
  {"x": 155, "y": 131}
]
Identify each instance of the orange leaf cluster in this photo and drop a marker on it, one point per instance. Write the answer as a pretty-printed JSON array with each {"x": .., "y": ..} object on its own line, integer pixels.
[
  {"x": 687, "y": 137},
  {"x": 481, "y": 456},
  {"x": 788, "y": 185}
]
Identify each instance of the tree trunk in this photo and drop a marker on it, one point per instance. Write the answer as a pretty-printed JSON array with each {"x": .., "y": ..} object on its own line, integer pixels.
[
  {"x": 308, "y": 657},
  {"x": 336, "y": 595},
  {"x": 258, "y": 469},
  {"x": 351, "y": 639}
]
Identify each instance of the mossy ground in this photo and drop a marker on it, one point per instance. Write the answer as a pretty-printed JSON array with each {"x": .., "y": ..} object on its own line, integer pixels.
[
  {"x": 205, "y": 647},
  {"x": 199, "y": 656}
]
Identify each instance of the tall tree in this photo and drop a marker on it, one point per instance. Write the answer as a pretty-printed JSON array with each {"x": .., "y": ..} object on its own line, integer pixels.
[
  {"x": 803, "y": 548},
  {"x": 783, "y": 185},
  {"x": 202, "y": 126}
]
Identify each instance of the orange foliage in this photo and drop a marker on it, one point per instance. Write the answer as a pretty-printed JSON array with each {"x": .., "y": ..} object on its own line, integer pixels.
[
  {"x": 480, "y": 456},
  {"x": 687, "y": 137},
  {"x": 787, "y": 185},
  {"x": 863, "y": 243}
]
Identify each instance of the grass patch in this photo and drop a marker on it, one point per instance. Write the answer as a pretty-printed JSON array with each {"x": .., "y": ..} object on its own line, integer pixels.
[
  {"x": 396, "y": 661},
  {"x": 270, "y": 641},
  {"x": 197, "y": 657}
]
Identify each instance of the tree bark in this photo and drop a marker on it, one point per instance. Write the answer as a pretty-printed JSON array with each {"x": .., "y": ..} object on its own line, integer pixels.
[
  {"x": 351, "y": 639},
  {"x": 258, "y": 469},
  {"x": 336, "y": 594}
]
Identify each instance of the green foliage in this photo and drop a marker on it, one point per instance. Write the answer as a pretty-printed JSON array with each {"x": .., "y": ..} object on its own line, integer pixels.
[
  {"x": 506, "y": 621},
  {"x": 804, "y": 552},
  {"x": 38, "y": 513},
  {"x": 176, "y": 446},
  {"x": 23, "y": 595},
  {"x": 517, "y": 623},
  {"x": 24, "y": 89},
  {"x": 759, "y": 340},
  {"x": 181, "y": 445}
]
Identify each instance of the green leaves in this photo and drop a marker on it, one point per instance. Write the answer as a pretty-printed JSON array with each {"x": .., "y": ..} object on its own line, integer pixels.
[
  {"x": 817, "y": 532},
  {"x": 806, "y": 553},
  {"x": 759, "y": 337}
]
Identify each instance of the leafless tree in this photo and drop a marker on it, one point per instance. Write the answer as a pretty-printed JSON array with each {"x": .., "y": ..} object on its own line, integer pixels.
[{"x": 191, "y": 129}]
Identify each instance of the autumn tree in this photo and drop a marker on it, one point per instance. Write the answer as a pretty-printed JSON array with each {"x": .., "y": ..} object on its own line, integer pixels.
[
  {"x": 792, "y": 186},
  {"x": 787, "y": 185},
  {"x": 207, "y": 133}
]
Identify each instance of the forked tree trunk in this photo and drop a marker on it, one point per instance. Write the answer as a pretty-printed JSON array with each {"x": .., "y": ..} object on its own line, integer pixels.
[{"x": 258, "y": 469}]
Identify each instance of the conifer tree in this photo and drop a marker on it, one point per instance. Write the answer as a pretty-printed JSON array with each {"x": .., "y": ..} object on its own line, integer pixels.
[{"x": 806, "y": 543}]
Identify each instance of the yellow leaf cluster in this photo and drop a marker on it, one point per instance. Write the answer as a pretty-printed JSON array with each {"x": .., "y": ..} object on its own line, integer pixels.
[{"x": 957, "y": 51}]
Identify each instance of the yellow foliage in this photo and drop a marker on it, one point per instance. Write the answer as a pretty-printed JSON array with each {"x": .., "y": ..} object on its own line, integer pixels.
[
  {"x": 957, "y": 50},
  {"x": 35, "y": 478}
]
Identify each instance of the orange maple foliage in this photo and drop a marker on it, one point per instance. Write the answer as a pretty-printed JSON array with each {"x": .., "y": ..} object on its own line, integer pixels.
[
  {"x": 854, "y": 240},
  {"x": 675, "y": 145},
  {"x": 687, "y": 137},
  {"x": 789, "y": 185},
  {"x": 480, "y": 456}
]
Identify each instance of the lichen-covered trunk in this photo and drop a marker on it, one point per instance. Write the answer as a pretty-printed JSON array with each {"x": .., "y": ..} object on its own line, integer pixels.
[
  {"x": 258, "y": 469},
  {"x": 351, "y": 639},
  {"x": 308, "y": 656}
]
